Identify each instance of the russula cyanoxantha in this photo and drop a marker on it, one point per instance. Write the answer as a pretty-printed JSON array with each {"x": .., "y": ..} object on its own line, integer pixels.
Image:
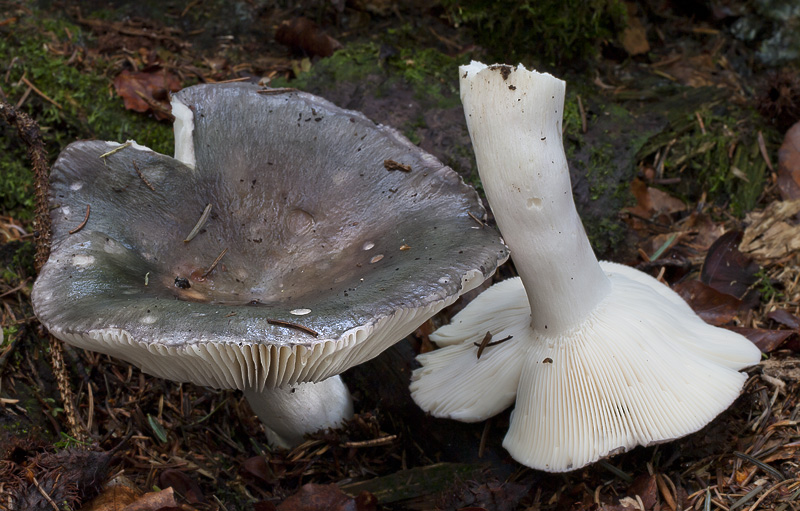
[
  {"x": 598, "y": 357},
  {"x": 279, "y": 248}
]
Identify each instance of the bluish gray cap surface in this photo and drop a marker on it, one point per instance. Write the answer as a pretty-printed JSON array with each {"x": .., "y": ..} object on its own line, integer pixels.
[{"x": 318, "y": 226}]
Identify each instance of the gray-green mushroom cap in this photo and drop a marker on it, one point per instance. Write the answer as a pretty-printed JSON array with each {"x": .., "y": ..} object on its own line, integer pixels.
[{"x": 289, "y": 241}]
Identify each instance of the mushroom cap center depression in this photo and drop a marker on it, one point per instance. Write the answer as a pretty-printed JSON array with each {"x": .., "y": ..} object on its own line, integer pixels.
[{"x": 279, "y": 245}]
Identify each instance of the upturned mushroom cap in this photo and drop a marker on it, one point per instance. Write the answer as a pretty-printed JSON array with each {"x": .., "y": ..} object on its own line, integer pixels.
[
  {"x": 640, "y": 370},
  {"x": 600, "y": 357},
  {"x": 323, "y": 219}
]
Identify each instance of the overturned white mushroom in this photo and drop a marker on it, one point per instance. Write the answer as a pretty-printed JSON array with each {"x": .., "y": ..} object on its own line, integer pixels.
[{"x": 601, "y": 357}]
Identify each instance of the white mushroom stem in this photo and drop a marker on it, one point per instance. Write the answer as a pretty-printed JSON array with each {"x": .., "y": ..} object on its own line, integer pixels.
[
  {"x": 291, "y": 413},
  {"x": 515, "y": 128},
  {"x": 598, "y": 357}
]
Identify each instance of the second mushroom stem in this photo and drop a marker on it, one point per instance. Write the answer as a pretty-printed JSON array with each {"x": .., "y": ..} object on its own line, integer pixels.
[{"x": 517, "y": 140}]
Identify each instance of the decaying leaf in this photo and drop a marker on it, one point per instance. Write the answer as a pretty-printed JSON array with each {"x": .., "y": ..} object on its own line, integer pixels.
[
  {"x": 789, "y": 164},
  {"x": 147, "y": 90},
  {"x": 728, "y": 270},
  {"x": 652, "y": 202},
  {"x": 182, "y": 484},
  {"x": 302, "y": 34},
  {"x": 772, "y": 233},
  {"x": 646, "y": 488},
  {"x": 715, "y": 307},
  {"x": 326, "y": 497},
  {"x": 115, "y": 496},
  {"x": 785, "y": 318},
  {"x": 770, "y": 340},
  {"x": 634, "y": 37},
  {"x": 153, "y": 501}
]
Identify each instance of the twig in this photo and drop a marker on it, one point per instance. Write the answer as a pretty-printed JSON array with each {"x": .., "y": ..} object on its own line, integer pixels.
[
  {"x": 289, "y": 324},
  {"x": 584, "y": 124},
  {"x": 40, "y": 93},
  {"x": 760, "y": 464},
  {"x": 375, "y": 442},
  {"x": 762, "y": 148},
  {"x": 484, "y": 436},
  {"x": 116, "y": 149},
  {"x": 392, "y": 165},
  {"x": 215, "y": 263},
  {"x": 700, "y": 122},
  {"x": 199, "y": 224},
  {"x": 773, "y": 488},
  {"x": 475, "y": 218},
  {"x": 486, "y": 344},
  {"x": 141, "y": 176},
  {"x": 82, "y": 224},
  {"x": 155, "y": 105},
  {"x": 281, "y": 90},
  {"x": 44, "y": 493}
]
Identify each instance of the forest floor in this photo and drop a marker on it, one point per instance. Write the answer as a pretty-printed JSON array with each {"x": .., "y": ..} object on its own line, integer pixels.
[{"x": 684, "y": 164}]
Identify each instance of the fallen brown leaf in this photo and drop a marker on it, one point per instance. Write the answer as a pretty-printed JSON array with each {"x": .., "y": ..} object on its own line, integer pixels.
[
  {"x": 304, "y": 35},
  {"x": 728, "y": 270},
  {"x": 646, "y": 487},
  {"x": 789, "y": 164},
  {"x": 651, "y": 201},
  {"x": 154, "y": 501},
  {"x": 326, "y": 497},
  {"x": 634, "y": 36},
  {"x": 770, "y": 340},
  {"x": 784, "y": 318},
  {"x": 113, "y": 498},
  {"x": 183, "y": 485},
  {"x": 147, "y": 90},
  {"x": 715, "y": 307}
]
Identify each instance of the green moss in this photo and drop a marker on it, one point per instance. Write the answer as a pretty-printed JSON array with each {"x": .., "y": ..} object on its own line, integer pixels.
[
  {"x": 432, "y": 74},
  {"x": 719, "y": 158},
  {"x": 85, "y": 104},
  {"x": 351, "y": 63},
  {"x": 539, "y": 32}
]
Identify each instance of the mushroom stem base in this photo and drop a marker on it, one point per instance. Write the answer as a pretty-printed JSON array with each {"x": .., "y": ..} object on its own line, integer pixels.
[{"x": 291, "y": 412}]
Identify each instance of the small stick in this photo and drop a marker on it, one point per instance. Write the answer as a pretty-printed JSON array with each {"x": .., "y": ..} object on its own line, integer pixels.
[
  {"x": 700, "y": 122},
  {"x": 289, "y": 324},
  {"x": 480, "y": 222},
  {"x": 375, "y": 442},
  {"x": 199, "y": 224},
  {"x": 762, "y": 148},
  {"x": 215, "y": 263},
  {"x": 584, "y": 127},
  {"x": 141, "y": 176},
  {"x": 280, "y": 90},
  {"x": 484, "y": 435},
  {"x": 82, "y": 224},
  {"x": 40, "y": 93},
  {"x": 234, "y": 80},
  {"x": 44, "y": 493},
  {"x": 117, "y": 149},
  {"x": 486, "y": 344},
  {"x": 391, "y": 165}
]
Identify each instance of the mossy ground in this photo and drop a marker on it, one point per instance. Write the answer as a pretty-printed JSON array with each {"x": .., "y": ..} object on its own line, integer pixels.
[
  {"x": 51, "y": 54},
  {"x": 710, "y": 148}
]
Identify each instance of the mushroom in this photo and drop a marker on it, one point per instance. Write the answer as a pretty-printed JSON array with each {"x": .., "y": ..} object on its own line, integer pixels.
[
  {"x": 597, "y": 357},
  {"x": 277, "y": 250}
]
